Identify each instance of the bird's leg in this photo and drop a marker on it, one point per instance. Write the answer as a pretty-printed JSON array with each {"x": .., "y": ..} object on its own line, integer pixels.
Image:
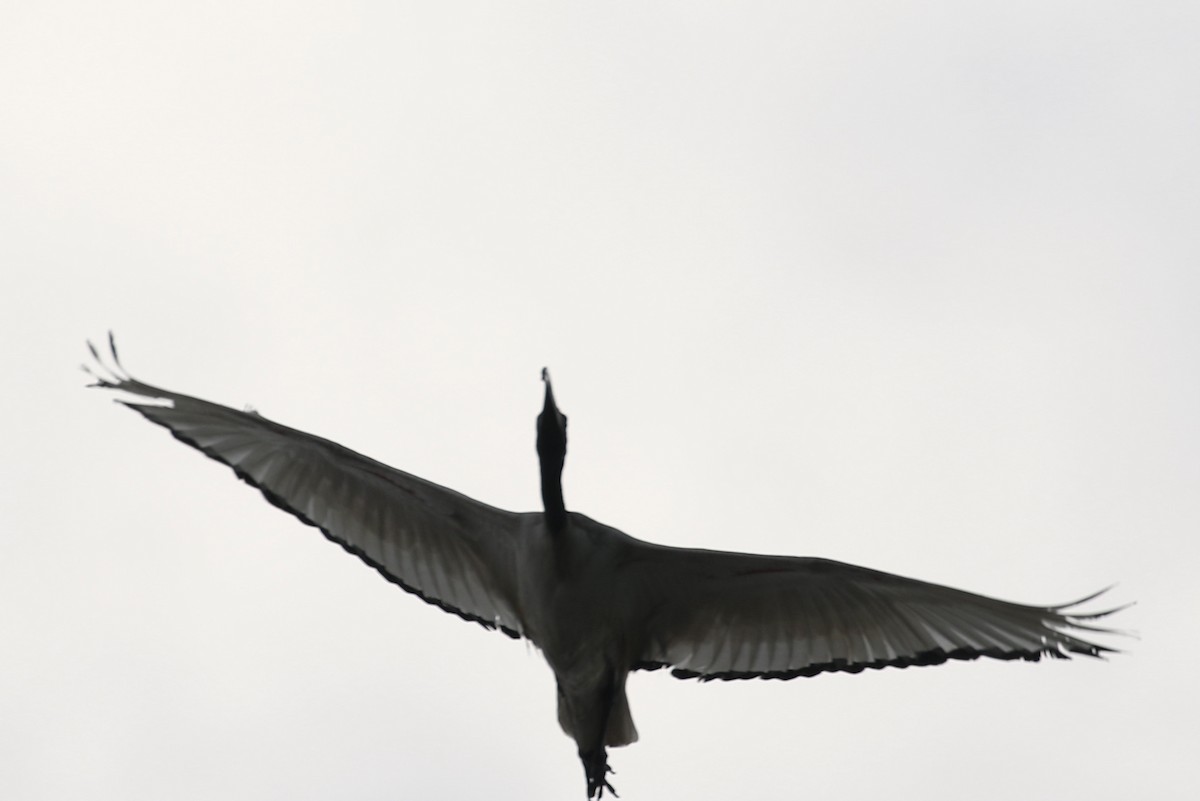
[
  {"x": 595, "y": 760},
  {"x": 595, "y": 766}
]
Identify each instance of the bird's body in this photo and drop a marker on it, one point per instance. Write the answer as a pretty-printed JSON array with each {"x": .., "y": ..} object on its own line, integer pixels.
[{"x": 597, "y": 602}]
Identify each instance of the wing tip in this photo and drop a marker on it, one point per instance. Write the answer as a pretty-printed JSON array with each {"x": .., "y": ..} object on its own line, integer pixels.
[{"x": 108, "y": 376}]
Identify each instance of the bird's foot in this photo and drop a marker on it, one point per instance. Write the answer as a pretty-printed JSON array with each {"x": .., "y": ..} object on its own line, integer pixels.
[{"x": 595, "y": 765}]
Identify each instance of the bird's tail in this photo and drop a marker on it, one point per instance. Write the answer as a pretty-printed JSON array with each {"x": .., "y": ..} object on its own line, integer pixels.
[
  {"x": 596, "y": 719},
  {"x": 618, "y": 731}
]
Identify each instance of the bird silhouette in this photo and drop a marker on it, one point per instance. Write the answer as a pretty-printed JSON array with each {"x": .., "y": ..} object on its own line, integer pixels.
[{"x": 597, "y": 602}]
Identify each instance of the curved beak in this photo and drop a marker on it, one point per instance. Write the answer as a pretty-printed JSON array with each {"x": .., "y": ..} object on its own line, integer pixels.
[
  {"x": 551, "y": 425},
  {"x": 552, "y": 453}
]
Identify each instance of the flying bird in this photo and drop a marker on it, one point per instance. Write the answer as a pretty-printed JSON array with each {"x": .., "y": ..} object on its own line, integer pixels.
[{"x": 599, "y": 603}]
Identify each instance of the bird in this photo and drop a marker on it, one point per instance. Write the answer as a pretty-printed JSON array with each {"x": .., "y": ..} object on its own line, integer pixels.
[{"x": 598, "y": 603}]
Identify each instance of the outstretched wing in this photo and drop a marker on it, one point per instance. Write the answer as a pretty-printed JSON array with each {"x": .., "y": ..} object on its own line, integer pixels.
[
  {"x": 445, "y": 548},
  {"x": 739, "y": 616}
]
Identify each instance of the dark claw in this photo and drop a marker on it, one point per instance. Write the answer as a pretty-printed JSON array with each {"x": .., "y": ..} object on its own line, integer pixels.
[{"x": 597, "y": 769}]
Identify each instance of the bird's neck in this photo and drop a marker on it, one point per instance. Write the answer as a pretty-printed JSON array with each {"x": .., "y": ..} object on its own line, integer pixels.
[{"x": 552, "y": 495}]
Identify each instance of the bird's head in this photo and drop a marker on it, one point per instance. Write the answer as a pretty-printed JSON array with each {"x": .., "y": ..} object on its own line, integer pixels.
[{"x": 551, "y": 429}]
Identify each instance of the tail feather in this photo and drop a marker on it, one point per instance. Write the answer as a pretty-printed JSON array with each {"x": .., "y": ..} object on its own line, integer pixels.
[
  {"x": 621, "y": 730},
  {"x": 595, "y": 720}
]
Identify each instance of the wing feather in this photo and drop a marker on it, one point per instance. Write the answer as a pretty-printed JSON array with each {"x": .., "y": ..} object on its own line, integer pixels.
[
  {"x": 738, "y": 616},
  {"x": 448, "y": 549}
]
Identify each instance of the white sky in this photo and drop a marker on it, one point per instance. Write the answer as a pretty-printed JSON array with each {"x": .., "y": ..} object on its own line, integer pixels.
[{"x": 910, "y": 285}]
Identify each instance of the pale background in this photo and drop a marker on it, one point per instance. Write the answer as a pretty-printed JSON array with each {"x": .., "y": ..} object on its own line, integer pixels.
[{"x": 910, "y": 285}]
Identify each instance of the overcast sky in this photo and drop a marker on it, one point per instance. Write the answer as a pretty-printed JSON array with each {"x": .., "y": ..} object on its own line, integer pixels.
[{"x": 909, "y": 285}]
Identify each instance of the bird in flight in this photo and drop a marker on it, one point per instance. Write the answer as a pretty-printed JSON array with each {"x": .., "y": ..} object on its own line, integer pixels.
[{"x": 597, "y": 602}]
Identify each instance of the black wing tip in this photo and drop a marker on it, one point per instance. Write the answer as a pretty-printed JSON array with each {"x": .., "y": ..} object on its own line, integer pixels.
[
  {"x": 1080, "y": 620},
  {"x": 106, "y": 376},
  {"x": 1073, "y": 617},
  {"x": 1079, "y": 602},
  {"x": 112, "y": 348}
]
